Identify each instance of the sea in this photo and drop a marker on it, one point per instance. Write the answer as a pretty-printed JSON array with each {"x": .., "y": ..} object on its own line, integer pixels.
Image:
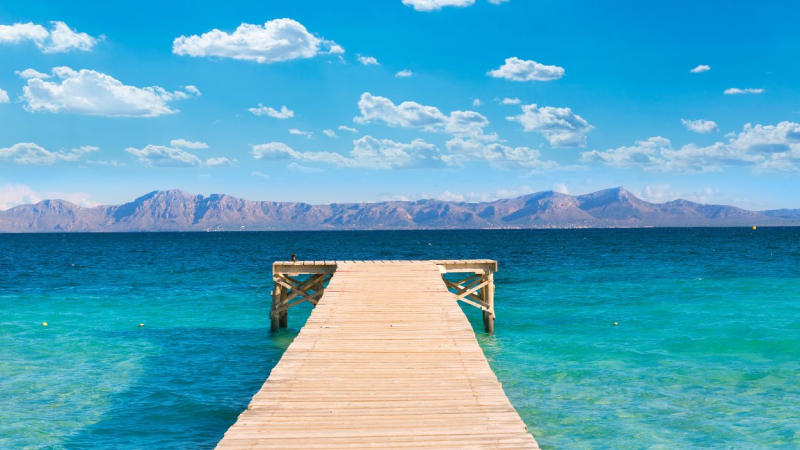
[{"x": 683, "y": 338}]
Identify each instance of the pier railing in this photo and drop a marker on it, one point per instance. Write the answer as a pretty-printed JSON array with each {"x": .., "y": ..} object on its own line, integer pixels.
[{"x": 476, "y": 288}]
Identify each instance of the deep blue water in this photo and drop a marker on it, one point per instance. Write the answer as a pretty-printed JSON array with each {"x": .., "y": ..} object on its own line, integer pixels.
[{"x": 706, "y": 353}]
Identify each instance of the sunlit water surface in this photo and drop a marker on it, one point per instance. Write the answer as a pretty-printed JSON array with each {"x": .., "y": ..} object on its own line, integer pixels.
[{"x": 706, "y": 353}]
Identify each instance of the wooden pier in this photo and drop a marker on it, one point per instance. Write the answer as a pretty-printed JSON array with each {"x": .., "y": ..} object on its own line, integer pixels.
[{"x": 387, "y": 360}]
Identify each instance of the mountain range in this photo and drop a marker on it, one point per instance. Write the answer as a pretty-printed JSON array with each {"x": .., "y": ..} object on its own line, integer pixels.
[{"x": 176, "y": 210}]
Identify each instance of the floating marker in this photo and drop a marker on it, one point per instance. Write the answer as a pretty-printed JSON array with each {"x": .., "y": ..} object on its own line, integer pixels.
[
  {"x": 616, "y": 323},
  {"x": 754, "y": 228},
  {"x": 141, "y": 324},
  {"x": 44, "y": 324}
]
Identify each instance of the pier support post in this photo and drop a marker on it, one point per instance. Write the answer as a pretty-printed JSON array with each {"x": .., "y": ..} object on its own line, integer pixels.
[
  {"x": 488, "y": 299},
  {"x": 274, "y": 315},
  {"x": 477, "y": 289}
]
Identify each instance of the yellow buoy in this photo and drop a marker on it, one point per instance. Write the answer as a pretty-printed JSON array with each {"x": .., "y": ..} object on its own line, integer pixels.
[
  {"x": 616, "y": 323},
  {"x": 754, "y": 228},
  {"x": 141, "y": 324},
  {"x": 44, "y": 324}
]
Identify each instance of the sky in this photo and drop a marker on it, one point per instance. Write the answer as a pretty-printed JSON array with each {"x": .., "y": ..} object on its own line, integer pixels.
[{"x": 336, "y": 101}]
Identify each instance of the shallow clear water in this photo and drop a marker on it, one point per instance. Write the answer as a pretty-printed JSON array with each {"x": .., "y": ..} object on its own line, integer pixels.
[{"x": 706, "y": 353}]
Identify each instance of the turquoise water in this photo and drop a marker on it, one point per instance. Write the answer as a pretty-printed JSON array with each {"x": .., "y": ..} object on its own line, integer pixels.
[{"x": 706, "y": 353}]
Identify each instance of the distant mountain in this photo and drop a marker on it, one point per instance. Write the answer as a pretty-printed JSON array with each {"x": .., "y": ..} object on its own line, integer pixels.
[{"x": 176, "y": 210}]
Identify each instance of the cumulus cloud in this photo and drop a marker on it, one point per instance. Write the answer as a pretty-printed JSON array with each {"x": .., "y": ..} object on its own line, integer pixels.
[
  {"x": 12, "y": 195},
  {"x": 307, "y": 134},
  {"x": 3, "y": 96},
  {"x": 367, "y": 153},
  {"x": 700, "y": 69},
  {"x": 477, "y": 102},
  {"x": 257, "y": 174},
  {"x": 497, "y": 155},
  {"x": 30, "y": 153},
  {"x": 700, "y": 126},
  {"x": 560, "y": 126},
  {"x": 434, "y": 5},
  {"x": 283, "y": 113},
  {"x": 404, "y": 74},
  {"x": 219, "y": 162},
  {"x": 516, "y": 69},
  {"x": 163, "y": 156},
  {"x": 31, "y": 73},
  {"x": 183, "y": 143},
  {"x": 275, "y": 41},
  {"x": 94, "y": 93},
  {"x": 737, "y": 91},
  {"x": 510, "y": 101},
  {"x": 175, "y": 155},
  {"x": 368, "y": 60},
  {"x": 330, "y": 133},
  {"x": 415, "y": 115},
  {"x": 346, "y": 128},
  {"x": 299, "y": 168},
  {"x": 762, "y": 147},
  {"x": 193, "y": 90},
  {"x": 60, "y": 39}
]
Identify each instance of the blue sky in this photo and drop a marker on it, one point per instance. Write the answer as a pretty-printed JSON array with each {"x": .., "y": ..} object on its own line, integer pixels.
[{"x": 123, "y": 100}]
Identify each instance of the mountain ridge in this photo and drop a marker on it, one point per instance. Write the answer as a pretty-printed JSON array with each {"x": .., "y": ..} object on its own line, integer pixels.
[{"x": 177, "y": 210}]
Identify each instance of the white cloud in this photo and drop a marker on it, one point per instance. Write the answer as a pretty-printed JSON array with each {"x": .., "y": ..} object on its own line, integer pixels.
[
  {"x": 404, "y": 74},
  {"x": 433, "y": 5},
  {"x": 95, "y": 93},
  {"x": 660, "y": 193},
  {"x": 295, "y": 131},
  {"x": 219, "y": 162},
  {"x": 368, "y": 60},
  {"x": 187, "y": 144},
  {"x": 283, "y": 113},
  {"x": 346, "y": 128},
  {"x": 3, "y": 96},
  {"x": 193, "y": 90},
  {"x": 294, "y": 167},
  {"x": 497, "y": 155},
  {"x": 762, "y": 147},
  {"x": 274, "y": 151},
  {"x": 560, "y": 126},
  {"x": 477, "y": 102},
  {"x": 700, "y": 69},
  {"x": 112, "y": 163},
  {"x": 175, "y": 155},
  {"x": 275, "y": 41},
  {"x": 737, "y": 91},
  {"x": 561, "y": 188},
  {"x": 700, "y": 126},
  {"x": 484, "y": 196},
  {"x": 367, "y": 153},
  {"x": 415, "y": 115},
  {"x": 12, "y": 195},
  {"x": 497, "y": 2},
  {"x": 257, "y": 174},
  {"x": 31, "y": 73},
  {"x": 61, "y": 38},
  {"x": 510, "y": 101},
  {"x": 30, "y": 153},
  {"x": 162, "y": 156},
  {"x": 516, "y": 69},
  {"x": 330, "y": 133}
]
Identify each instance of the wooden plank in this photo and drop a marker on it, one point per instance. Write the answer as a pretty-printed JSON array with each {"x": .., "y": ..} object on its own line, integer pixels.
[{"x": 386, "y": 360}]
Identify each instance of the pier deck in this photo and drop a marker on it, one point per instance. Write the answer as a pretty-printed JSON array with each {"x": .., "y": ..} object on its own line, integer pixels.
[{"x": 387, "y": 360}]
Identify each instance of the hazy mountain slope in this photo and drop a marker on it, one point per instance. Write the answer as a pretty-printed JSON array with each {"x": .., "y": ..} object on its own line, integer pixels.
[{"x": 176, "y": 210}]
